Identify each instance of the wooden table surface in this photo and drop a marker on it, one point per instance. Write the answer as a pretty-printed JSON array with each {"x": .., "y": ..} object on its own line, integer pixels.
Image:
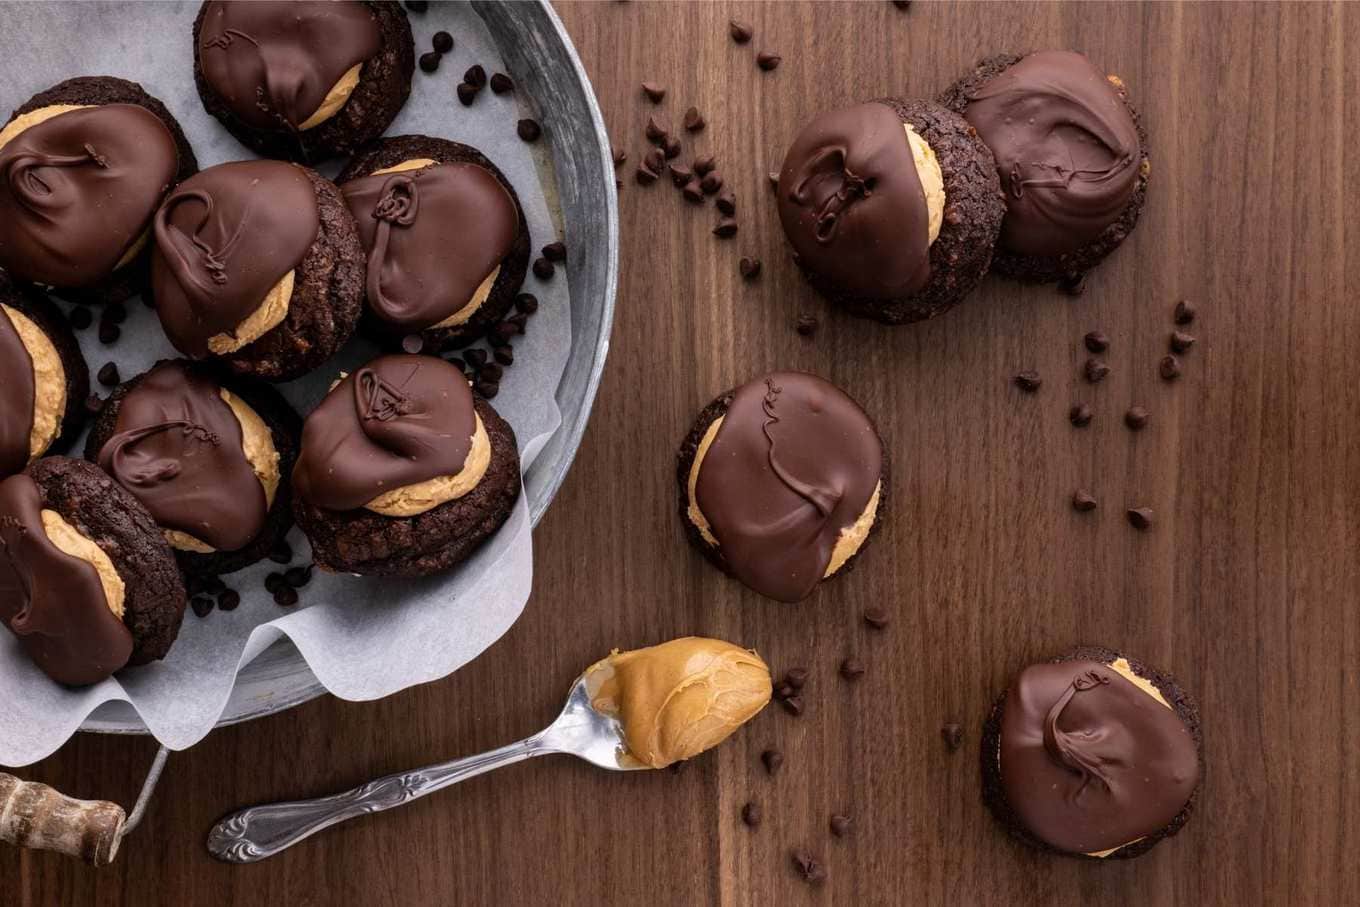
[{"x": 1245, "y": 588}]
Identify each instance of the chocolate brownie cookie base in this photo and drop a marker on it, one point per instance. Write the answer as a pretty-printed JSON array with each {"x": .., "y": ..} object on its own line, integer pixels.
[
  {"x": 99, "y": 509},
  {"x": 285, "y": 428},
  {"x": 392, "y": 151},
  {"x": 993, "y": 793},
  {"x": 684, "y": 462},
  {"x": 45, "y": 314},
  {"x": 361, "y": 541},
  {"x": 135, "y": 276},
  {"x": 1044, "y": 269},
  {"x": 384, "y": 85}
]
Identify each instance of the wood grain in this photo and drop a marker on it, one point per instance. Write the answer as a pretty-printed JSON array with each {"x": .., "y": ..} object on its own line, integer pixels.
[{"x": 1245, "y": 588}]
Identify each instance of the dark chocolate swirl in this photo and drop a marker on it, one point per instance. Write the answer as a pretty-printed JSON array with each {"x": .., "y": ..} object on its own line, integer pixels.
[
  {"x": 1066, "y": 149},
  {"x": 398, "y": 421},
  {"x": 852, "y": 205},
  {"x": 18, "y": 392},
  {"x": 77, "y": 190},
  {"x": 52, "y": 601}
]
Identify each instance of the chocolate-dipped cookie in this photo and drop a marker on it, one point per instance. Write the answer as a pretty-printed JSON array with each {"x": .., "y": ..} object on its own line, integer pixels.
[
  {"x": 781, "y": 483},
  {"x": 83, "y": 167},
  {"x": 403, "y": 471},
  {"x": 43, "y": 378},
  {"x": 208, "y": 455},
  {"x": 87, "y": 582},
  {"x": 303, "y": 81},
  {"x": 446, "y": 239},
  {"x": 1071, "y": 155},
  {"x": 1092, "y": 755},
  {"x": 892, "y": 208},
  {"x": 257, "y": 263}
]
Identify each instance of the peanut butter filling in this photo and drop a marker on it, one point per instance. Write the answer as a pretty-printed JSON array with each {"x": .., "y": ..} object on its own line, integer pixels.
[
  {"x": 270, "y": 314},
  {"x": 335, "y": 99},
  {"x": 932, "y": 180},
  {"x": 71, "y": 542},
  {"x": 410, "y": 500},
  {"x": 49, "y": 383}
]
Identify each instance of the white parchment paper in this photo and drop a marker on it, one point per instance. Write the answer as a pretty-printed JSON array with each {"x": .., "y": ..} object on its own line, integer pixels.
[{"x": 363, "y": 638}]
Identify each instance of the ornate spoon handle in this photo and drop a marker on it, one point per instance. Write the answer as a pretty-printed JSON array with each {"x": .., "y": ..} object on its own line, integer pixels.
[{"x": 262, "y": 831}]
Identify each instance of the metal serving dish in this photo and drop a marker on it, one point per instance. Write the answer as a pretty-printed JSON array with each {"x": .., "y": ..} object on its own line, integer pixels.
[{"x": 577, "y": 169}]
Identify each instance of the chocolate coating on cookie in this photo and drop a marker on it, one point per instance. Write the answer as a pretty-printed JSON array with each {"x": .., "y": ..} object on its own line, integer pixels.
[
  {"x": 794, "y": 462},
  {"x": 17, "y": 394},
  {"x": 407, "y": 220},
  {"x": 852, "y": 204},
  {"x": 395, "y": 422},
  {"x": 52, "y": 601},
  {"x": 1089, "y": 761},
  {"x": 1066, "y": 146},
  {"x": 178, "y": 448},
  {"x": 224, "y": 238},
  {"x": 274, "y": 62},
  {"x": 77, "y": 190}
]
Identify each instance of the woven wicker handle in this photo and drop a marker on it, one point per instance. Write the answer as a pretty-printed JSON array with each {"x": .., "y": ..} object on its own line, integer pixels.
[{"x": 43, "y": 818}]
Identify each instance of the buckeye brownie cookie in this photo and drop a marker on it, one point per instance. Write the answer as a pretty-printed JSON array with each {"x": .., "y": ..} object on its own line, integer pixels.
[
  {"x": 87, "y": 582},
  {"x": 781, "y": 481},
  {"x": 303, "y": 81},
  {"x": 43, "y": 378},
  {"x": 403, "y": 471},
  {"x": 258, "y": 263},
  {"x": 204, "y": 454},
  {"x": 892, "y": 208},
  {"x": 1071, "y": 155},
  {"x": 83, "y": 167},
  {"x": 1093, "y": 755},
  {"x": 446, "y": 239}
]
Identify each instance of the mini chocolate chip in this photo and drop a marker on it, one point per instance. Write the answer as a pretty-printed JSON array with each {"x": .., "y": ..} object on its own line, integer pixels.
[
  {"x": 543, "y": 269},
  {"x": 645, "y": 175},
  {"x": 806, "y": 325},
  {"x": 749, "y": 268},
  {"x": 1079, "y": 415},
  {"x": 1029, "y": 381},
  {"x": 740, "y": 31},
  {"x": 1169, "y": 368},
  {"x": 750, "y": 814},
  {"x": 492, "y": 372},
  {"x": 213, "y": 585},
  {"x": 1136, "y": 418},
  {"x": 1140, "y": 517},
  {"x": 1095, "y": 370},
  {"x": 726, "y": 228},
  {"x": 1083, "y": 501},
  {"x": 297, "y": 577},
  {"x": 727, "y": 203},
  {"x": 876, "y": 618},
  {"x": 529, "y": 130},
  {"x": 783, "y": 690},
  {"x": 526, "y": 303},
  {"x": 442, "y": 42},
  {"x": 501, "y": 83},
  {"x": 202, "y": 606},
  {"x": 852, "y": 668},
  {"x": 1185, "y": 313},
  {"x": 475, "y": 358},
  {"x": 285, "y": 597},
  {"x": 655, "y": 131},
  {"x": 109, "y": 332},
  {"x": 281, "y": 553},
  {"x": 413, "y": 343},
  {"x": 902, "y": 4},
  {"x": 502, "y": 333},
  {"x": 840, "y": 825},
  {"x": 680, "y": 175},
  {"x": 810, "y": 870},
  {"x": 81, "y": 318},
  {"x": 229, "y": 600},
  {"x": 417, "y": 6},
  {"x": 555, "y": 251},
  {"x": 653, "y": 91},
  {"x": 504, "y": 355},
  {"x": 115, "y": 312},
  {"x": 466, "y": 93},
  {"x": 711, "y": 182},
  {"x": 1097, "y": 341},
  {"x": 108, "y": 375},
  {"x": 488, "y": 389},
  {"x": 94, "y": 404},
  {"x": 1181, "y": 341},
  {"x": 655, "y": 159},
  {"x": 796, "y": 677},
  {"x": 953, "y": 736},
  {"x": 429, "y": 61},
  {"x": 767, "y": 60},
  {"x": 694, "y": 120},
  {"x": 620, "y": 158},
  {"x": 672, "y": 146},
  {"x": 274, "y": 581},
  {"x": 692, "y": 192},
  {"x": 1073, "y": 284},
  {"x": 772, "y": 759},
  {"x": 475, "y": 76},
  {"x": 704, "y": 165}
]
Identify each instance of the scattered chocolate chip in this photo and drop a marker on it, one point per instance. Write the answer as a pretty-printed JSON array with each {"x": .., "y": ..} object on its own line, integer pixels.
[
  {"x": 783, "y": 690},
  {"x": 953, "y": 736},
  {"x": 876, "y": 618},
  {"x": 285, "y": 597},
  {"x": 1140, "y": 517},
  {"x": 281, "y": 553},
  {"x": 654, "y": 92},
  {"x": 109, "y": 332},
  {"x": 229, "y": 600},
  {"x": 1181, "y": 341},
  {"x": 655, "y": 159},
  {"x": 501, "y": 83},
  {"x": 840, "y": 825},
  {"x": 792, "y": 704},
  {"x": 115, "y": 312},
  {"x": 504, "y": 355},
  {"x": 1029, "y": 381},
  {"x": 555, "y": 251},
  {"x": 417, "y": 6},
  {"x": 620, "y": 158},
  {"x": 767, "y": 60},
  {"x": 492, "y": 372},
  {"x": 704, "y": 165},
  {"x": 297, "y": 577},
  {"x": 749, "y": 268},
  {"x": 727, "y": 203},
  {"x": 475, "y": 358},
  {"x": 108, "y": 375},
  {"x": 502, "y": 332},
  {"x": 529, "y": 130},
  {"x": 656, "y": 132},
  {"x": 751, "y": 814},
  {"x": 645, "y": 175},
  {"x": 680, "y": 175},
  {"x": 740, "y": 31},
  {"x": 1079, "y": 415},
  {"x": 1073, "y": 284},
  {"x": 1136, "y": 418},
  {"x": 852, "y": 668},
  {"x": 1095, "y": 370},
  {"x": 772, "y": 759},
  {"x": 202, "y": 606},
  {"x": 672, "y": 146},
  {"x": 902, "y": 4},
  {"x": 618, "y": 185},
  {"x": 429, "y": 61},
  {"x": 726, "y": 228},
  {"x": 1169, "y": 368},
  {"x": 488, "y": 389},
  {"x": 1097, "y": 341},
  {"x": 94, "y": 404},
  {"x": 526, "y": 303},
  {"x": 694, "y": 120},
  {"x": 1083, "y": 501},
  {"x": 1185, "y": 313},
  {"x": 466, "y": 93},
  {"x": 711, "y": 182},
  {"x": 81, "y": 318},
  {"x": 810, "y": 870},
  {"x": 806, "y": 325},
  {"x": 475, "y": 76},
  {"x": 213, "y": 585},
  {"x": 413, "y": 343},
  {"x": 692, "y": 192},
  {"x": 543, "y": 269},
  {"x": 796, "y": 678},
  {"x": 442, "y": 42},
  {"x": 274, "y": 582},
  {"x": 519, "y": 321}
]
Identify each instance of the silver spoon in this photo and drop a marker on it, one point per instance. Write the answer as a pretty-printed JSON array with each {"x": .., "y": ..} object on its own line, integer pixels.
[{"x": 262, "y": 831}]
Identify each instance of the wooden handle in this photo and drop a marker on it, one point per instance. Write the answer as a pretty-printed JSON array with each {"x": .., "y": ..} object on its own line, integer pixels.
[{"x": 43, "y": 818}]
